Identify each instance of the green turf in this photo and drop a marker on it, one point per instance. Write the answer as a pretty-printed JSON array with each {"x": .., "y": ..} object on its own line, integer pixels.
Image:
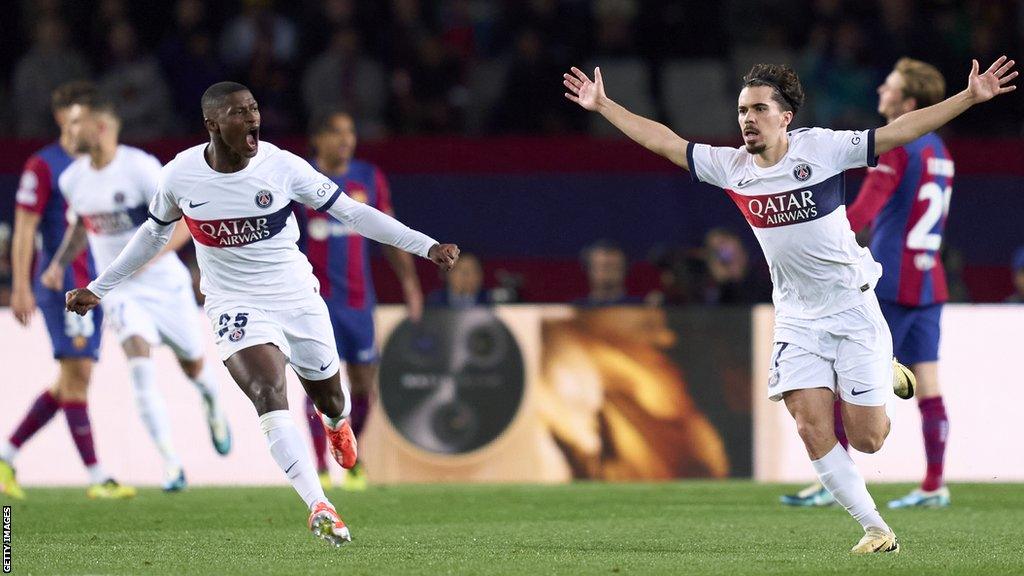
[{"x": 679, "y": 528}]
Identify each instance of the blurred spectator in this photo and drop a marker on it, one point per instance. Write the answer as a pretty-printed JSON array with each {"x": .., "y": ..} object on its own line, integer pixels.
[
  {"x": 614, "y": 26},
  {"x": 257, "y": 30},
  {"x": 1017, "y": 266},
  {"x": 321, "y": 24},
  {"x": 189, "y": 61},
  {"x": 529, "y": 105},
  {"x": 837, "y": 76},
  {"x": 133, "y": 80},
  {"x": 463, "y": 285},
  {"x": 729, "y": 275},
  {"x": 48, "y": 63},
  {"x": 343, "y": 77},
  {"x": 682, "y": 276},
  {"x": 606, "y": 267},
  {"x": 428, "y": 94},
  {"x": 953, "y": 262}
]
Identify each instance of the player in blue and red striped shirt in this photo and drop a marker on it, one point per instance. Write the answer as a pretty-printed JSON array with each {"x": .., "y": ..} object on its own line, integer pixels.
[
  {"x": 341, "y": 262},
  {"x": 905, "y": 200},
  {"x": 40, "y": 207}
]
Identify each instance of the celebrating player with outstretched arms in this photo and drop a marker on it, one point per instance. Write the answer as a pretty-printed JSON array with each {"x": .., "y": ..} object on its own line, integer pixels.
[
  {"x": 235, "y": 194},
  {"x": 831, "y": 339}
]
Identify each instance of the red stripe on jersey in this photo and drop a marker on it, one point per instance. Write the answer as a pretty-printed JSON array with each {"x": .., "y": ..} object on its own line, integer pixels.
[
  {"x": 317, "y": 248},
  {"x": 911, "y": 279},
  {"x": 35, "y": 188},
  {"x": 80, "y": 268},
  {"x": 383, "y": 192},
  {"x": 356, "y": 272},
  {"x": 235, "y": 232}
]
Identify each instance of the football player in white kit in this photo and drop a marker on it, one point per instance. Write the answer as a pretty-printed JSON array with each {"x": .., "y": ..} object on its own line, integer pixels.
[
  {"x": 108, "y": 190},
  {"x": 830, "y": 337},
  {"x": 262, "y": 299}
]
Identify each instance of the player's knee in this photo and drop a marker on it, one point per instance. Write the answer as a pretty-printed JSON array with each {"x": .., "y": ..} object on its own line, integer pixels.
[
  {"x": 869, "y": 442},
  {"x": 815, "y": 432},
  {"x": 74, "y": 376},
  {"x": 266, "y": 391}
]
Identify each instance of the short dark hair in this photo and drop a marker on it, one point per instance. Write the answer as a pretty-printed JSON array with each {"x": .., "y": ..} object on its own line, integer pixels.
[
  {"x": 214, "y": 95},
  {"x": 98, "y": 101},
  {"x": 321, "y": 116},
  {"x": 788, "y": 92},
  {"x": 602, "y": 245},
  {"x": 71, "y": 93}
]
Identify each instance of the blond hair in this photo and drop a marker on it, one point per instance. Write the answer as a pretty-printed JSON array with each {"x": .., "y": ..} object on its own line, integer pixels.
[{"x": 921, "y": 81}]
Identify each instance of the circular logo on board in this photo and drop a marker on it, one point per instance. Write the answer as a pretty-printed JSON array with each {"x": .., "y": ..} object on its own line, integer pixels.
[
  {"x": 264, "y": 198},
  {"x": 802, "y": 172},
  {"x": 453, "y": 382}
]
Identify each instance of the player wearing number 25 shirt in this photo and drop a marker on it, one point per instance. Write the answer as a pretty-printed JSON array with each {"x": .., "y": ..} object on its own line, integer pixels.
[{"x": 235, "y": 194}]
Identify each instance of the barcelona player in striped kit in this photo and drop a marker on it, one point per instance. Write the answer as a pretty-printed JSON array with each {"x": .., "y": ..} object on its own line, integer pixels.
[
  {"x": 905, "y": 200},
  {"x": 40, "y": 207},
  {"x": 340, "y": 259}
]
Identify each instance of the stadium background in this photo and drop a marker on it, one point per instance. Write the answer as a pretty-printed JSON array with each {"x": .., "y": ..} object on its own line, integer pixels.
[{"x": 459, "y": 102}]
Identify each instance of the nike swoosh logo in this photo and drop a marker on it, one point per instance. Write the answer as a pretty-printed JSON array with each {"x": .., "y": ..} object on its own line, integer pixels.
[
  {"x": 325, "y": 366},
  {"x": 289, "y": 469},
  {"x": 192, "y": 204},
  {"x": 856, "y": 392},
  {"x": 743, "y": 183}
]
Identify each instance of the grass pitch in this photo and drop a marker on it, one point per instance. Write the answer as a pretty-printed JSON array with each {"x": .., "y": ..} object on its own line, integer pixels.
[{"x": 723, "y": 528}]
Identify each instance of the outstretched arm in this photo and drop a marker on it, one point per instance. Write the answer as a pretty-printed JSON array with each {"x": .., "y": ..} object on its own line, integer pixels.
[
  {"x": 652, "y": 135},
  {"x": 376, "y": 225},
  {"x": 144, "y": 245},
  {"x": 980, "y": 88}
]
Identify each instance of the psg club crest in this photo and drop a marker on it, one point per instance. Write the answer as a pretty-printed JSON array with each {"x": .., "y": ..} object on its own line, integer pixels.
[
  {"x": 237, "y": 334},
  {"x": 802, "y": 172},
  {"x": 264, "y": 198},
  {"x": 119, "y": 197}
]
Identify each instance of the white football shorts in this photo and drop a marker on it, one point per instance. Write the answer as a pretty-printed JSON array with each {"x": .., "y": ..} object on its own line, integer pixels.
[
  {"x": 303, "y": 334},
  {"x": 166, "y": 315},
  {"x": 849, "y": 352}
]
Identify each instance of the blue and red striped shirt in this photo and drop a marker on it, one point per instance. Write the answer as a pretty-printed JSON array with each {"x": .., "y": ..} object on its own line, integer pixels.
[
  {"x": 339, "y": 255},
  {"x": 906, "y": 201},
  {"x": 39, "y": 192}
]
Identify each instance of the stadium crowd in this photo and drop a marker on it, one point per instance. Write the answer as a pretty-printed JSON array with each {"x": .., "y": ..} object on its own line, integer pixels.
[{"x": 457, "y": 66}]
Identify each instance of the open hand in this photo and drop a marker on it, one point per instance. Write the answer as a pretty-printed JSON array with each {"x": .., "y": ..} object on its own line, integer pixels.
[
  {"x": 444, "y": 255},
  {"x": 81, "y": 300},
  {"x": 993, "y": 82},
  {"x": 23, "y": 304},
  {"x": 589, "y": 95}
]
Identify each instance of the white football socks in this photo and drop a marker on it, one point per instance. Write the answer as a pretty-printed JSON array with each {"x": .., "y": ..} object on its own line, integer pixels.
[
  {"x": 840, "y": 476},
  {"x": 153, "y": 411},
  {"x": 292, "y": 455},
  {"x": 8, "y": 452},
  {"x": 207, "y": 385},
  {"x": 97, "y": 475},
  {"x": 206, "y": 382}
]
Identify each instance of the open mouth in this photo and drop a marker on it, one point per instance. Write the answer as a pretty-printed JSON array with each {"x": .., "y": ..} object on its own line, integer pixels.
[
  {"x": 252, "y": 138},
  {"x": 750, "y": 132}
]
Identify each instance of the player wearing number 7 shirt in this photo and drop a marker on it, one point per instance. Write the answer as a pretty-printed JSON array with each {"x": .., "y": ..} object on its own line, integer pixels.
[
  {"x": 905, "y": 199},
  {"x": 831, "y": 340},
  {"x": 235, "y": 195}
]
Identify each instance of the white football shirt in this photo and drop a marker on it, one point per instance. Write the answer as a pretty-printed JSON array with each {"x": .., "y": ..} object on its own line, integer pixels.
[
  {"x": 112, "y": 202},
  {"x": 243, "y": 224},
  {"x": 797, "y": 211}
]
